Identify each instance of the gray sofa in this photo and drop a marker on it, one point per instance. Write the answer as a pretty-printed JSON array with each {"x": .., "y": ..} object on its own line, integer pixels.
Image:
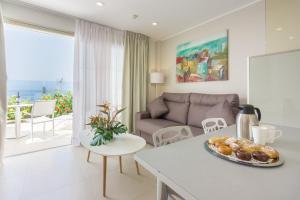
[{"x": 187, "y": 109}]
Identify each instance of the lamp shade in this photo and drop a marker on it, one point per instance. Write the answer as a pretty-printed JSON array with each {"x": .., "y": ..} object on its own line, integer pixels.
[{"x": 157, "y": 77}]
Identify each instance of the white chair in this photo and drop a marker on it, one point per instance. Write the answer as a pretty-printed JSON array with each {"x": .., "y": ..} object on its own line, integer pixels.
[
  {"x": 167, "y": 136},
  {"x": 170, "y": 135},
  {"x": 41, "y": 110},
  {"x": 213, "y": 124}
]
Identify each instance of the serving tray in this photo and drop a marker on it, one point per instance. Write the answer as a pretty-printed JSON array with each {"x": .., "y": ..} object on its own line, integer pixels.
[{"x": 232, "y": 158}]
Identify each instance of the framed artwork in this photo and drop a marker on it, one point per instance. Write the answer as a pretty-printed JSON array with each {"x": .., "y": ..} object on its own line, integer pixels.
[{"x": 206, "y": 60}]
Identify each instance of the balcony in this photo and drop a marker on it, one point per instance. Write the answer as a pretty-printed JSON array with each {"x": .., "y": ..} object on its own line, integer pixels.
[{"x": 19, "y": 127}]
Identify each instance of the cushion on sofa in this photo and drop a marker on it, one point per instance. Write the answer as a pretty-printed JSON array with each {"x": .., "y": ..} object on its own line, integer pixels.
[
  {"x": 222, "y": 110},
  {"x": 177, "y": 112},
  {"x": 213, "y": 99},
  {"x": 157, "y": 107},
  {"x": 178, "y": 105},
  {"x": 176, "y": 97},
  {"x": 197, "y": 114},
  {"x": 152, "y": 125},
  {"x": 202, "y": 103}
]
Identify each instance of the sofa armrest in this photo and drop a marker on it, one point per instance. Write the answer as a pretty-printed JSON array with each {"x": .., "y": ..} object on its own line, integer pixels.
[{"x": 142, "y": 115}]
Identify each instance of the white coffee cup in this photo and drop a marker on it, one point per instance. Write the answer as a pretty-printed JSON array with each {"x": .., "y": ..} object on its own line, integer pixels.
[{"x": 265, "y": 134}]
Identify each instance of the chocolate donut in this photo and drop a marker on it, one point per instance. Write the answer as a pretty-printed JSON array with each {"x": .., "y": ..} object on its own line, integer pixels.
[
  {"x": 260, "y": 156},
  {"x": 243, "y": 155}
]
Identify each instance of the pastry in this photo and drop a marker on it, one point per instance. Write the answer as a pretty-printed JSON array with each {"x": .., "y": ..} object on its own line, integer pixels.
[
  {"x": 223, "y": 149},
  {"x": 218, "y": 138},
  {"x": 250, "y": 148},
  {"x": 260, "y": 156},
  {"x": 272, "y": 153},
  {"x": 234, "y": 146},
  {"x": 243, "y": 155},
  {"x": 243, "y": 142},
  {"x": 219, "y": 143},
  {"x": 231, "y": 140}
]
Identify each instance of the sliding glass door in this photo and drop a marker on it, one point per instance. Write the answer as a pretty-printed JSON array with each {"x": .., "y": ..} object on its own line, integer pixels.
[{"x": 39, "y": 68}]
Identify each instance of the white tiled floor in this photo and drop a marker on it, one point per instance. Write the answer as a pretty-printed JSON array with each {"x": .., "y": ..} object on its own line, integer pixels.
[{"x": 63, "y": 174}]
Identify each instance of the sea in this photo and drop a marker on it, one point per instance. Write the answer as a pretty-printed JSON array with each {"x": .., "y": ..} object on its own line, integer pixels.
[{"x": 34, "y": 90}]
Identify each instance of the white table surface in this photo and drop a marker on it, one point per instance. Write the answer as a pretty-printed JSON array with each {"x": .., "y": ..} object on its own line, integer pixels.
[
  {"x": 121, "y": 145},
  {"x": 195, "y": 174}
]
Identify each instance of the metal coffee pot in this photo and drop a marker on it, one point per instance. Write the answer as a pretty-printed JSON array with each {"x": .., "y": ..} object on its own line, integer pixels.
[{"x": 248, "y": 116}]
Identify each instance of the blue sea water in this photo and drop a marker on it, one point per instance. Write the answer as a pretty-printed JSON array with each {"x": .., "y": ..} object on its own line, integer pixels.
[{"x": 34, "y": 90}]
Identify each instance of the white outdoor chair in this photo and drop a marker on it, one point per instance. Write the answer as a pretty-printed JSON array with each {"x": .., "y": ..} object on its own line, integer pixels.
[
  {"x": 41, "y": 110},
  {"x": 213, "y": 124},
  {"x": 167, "y": 136}
]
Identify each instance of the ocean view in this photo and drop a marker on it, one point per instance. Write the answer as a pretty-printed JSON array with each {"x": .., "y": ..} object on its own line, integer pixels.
[{"x": 34, "y": 90}]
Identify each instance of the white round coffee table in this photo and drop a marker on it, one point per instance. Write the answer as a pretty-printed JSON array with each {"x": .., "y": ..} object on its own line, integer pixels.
[{"x": 121, "y": 145}]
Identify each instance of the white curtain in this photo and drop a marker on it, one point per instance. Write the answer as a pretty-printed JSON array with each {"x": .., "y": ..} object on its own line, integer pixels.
[
  {"x": 3, "y": 103},
  {"x": 98, "y": 71}
]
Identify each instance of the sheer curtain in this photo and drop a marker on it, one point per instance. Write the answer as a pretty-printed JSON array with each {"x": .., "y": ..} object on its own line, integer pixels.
[
  {"x": 98, "y": 71},
  {"x": 3, "y": 94}
]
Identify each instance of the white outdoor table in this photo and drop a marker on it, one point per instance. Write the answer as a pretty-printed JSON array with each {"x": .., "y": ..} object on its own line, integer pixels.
[
  {"x": 18, "y": 118},
  {"x": 121, "y": 145},
  {"x": 195, "y": 174}
]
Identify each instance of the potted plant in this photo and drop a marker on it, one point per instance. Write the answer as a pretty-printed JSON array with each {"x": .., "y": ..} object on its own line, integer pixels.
[{"x": 105, "y": 125}]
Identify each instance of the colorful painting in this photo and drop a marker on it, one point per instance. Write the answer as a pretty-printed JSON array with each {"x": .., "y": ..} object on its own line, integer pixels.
[{"x": 203, "y": 61}]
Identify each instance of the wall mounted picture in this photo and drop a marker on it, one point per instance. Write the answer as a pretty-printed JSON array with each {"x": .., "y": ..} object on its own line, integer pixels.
[{"x": 205, "y": 60}]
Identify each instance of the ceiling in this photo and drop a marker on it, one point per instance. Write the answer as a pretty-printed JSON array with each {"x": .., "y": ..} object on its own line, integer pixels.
[{"x": 173, "y": 16}]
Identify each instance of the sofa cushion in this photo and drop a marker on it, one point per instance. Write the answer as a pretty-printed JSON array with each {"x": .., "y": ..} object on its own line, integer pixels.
[
  {"x": 213, "y": 99},
  {"x": 197, "y": 113},
  {"x": 178, "y": 105},
  {"x": 176, "y": 97},
  {"x": 222, "y": 110},
  {"x": 152, "y": 125},
  {"x": 202, "y": 103},
  {"x": 157, "y": 107},
  {"x": 177, "y": 112}
]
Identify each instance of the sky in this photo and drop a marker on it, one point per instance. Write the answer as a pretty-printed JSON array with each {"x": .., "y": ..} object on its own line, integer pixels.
[{"x": 38, "y": 56}]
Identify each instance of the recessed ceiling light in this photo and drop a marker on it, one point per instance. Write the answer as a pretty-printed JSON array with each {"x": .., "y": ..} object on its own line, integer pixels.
[
  {"x": 278, "y": 28},
  {"x": 291, "y": 37},
  {"x": 154, "y": 23},
  {"x": 100, "y": 4}
]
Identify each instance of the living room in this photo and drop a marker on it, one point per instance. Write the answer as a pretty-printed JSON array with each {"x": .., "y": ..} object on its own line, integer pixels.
[{"x": 138, "y": 100}]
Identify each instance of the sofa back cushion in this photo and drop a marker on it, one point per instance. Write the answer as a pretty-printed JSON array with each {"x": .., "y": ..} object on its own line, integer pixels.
[
  {"x": 222, "y": 110},
  {"x": 178, "y": 105},
  {"x": 200, "y": 104}
]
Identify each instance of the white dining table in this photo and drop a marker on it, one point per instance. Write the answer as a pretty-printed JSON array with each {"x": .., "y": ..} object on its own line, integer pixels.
[
  {"x": 195, "y": 174},
  {"x": 18, "y": 117}
]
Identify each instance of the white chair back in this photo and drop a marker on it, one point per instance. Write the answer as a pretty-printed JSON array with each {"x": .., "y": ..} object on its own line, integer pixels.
[
  {"x": 43, "y": 108},
  {"x": 213, "y": 124},
  {"x": 171, "y": 135}
]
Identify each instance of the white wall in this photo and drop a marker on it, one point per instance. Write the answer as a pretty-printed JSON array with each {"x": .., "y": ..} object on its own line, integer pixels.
[
  {"x": 38, "y": 16},
  {"x": 246, "y": 38}
]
